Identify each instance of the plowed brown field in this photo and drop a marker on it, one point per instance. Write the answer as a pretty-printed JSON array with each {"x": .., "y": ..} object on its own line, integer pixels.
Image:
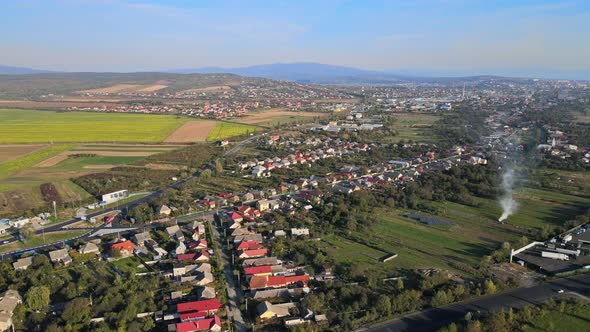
[{"x": 192, "y": 131}]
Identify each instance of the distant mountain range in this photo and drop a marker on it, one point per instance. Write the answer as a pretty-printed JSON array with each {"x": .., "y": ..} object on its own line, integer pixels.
[
  {"x": 8, "y": 70},
  {"x": 310, "y": 72},
  {"x": 304, "y": 72}
]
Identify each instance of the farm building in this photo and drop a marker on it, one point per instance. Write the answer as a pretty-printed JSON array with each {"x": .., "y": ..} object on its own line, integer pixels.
[{"x": 115, "y": 196}]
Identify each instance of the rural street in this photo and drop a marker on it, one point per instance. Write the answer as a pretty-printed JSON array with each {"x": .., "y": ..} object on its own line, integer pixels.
[
  {"x": 233, "y": 288},
  {"x": 433, "y": 319},
  {"x": 240, "y": 145}
]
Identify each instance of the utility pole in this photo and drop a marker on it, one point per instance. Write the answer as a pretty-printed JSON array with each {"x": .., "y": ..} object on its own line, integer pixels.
[{"x": 55, "y": 210}]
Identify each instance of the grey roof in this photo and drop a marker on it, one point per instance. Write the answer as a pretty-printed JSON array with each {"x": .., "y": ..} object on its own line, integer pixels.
[
  {"x": 89, "y": 248},
  {"x": 206, "y": 293},
  {"x": 9, "y": 301},
  {"x": 140, "y": 238},
  {"x": 271, "y": 293},
  {"x": 260, "y": 261},
  {"x": 59, "y": 255},
  {"x": 23, "y": 263}
]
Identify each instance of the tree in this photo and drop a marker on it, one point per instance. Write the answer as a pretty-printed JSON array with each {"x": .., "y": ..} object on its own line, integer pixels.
[
  {"x": 440, "y": 298},
  {"x": 399, "y": 284},
  {"x": 37, "y": 298},
  {"x": 474, "y": 326},
  {"x": 77, "y": 313},
  {"x": 510, "y": 315},
  {"x": 218, "y": 167},
  {"x": 489, "y": 286},
  {"x": 452, "y": 327},
  {"x": 383, "y": 305},
  {"x": 206, "y": 174}
]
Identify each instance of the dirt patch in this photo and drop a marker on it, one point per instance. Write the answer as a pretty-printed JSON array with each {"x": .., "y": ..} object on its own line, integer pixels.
[
  {"x": 152, "y": 88},
  {"x": 209, "y": 89},
  {"x": 91, "y": 100},
  {"x": 13, "y": 151},
  {"x": 101, "y": 166},
  {"x": 270, "y": 114},
  {"x": 192, "y": 131},
  {"x": 113, "y": 89},
  {"x": 165, "y": 167},
  {"x": 53, "y": 160}
]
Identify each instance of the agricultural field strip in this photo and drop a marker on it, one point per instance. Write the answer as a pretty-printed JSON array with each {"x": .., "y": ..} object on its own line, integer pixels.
[
  {"x": 12, "y": 166},
  {"x": 223, "y": 130},
  {"x": 191, "y": 131},
  {"x": 30, "y": 126},
  {"x": 14, "y": 151}
]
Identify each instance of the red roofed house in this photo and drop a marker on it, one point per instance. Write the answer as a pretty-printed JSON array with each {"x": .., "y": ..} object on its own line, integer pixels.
[
  {"x": 192, "y": 316},
  {"x": 236, "y": 217},
  {"x": 264, "y": 270},
  {"x": 186, "y": 257},
  {"x": 244, "y": 209},
  {"x": 254, "y": 253},
  {"x": 202, "y": 244},
  {"x": 206, "y": 306},
  {"x": 249, "y": 245},
  {"x": 203, "y": 256},
  {"x": 260, "y": 282},
  {"x": 208, "y": 324},
  {"x": 125, "y": 248}
]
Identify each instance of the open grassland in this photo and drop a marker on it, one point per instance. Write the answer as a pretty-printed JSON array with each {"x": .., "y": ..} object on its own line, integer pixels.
[
  {"x": 13, "y": 151},
  {"x": 569, "y": 320},
  {"x": 473, "y": 234},
  {"x": 37, "y": 240},
  {"x": 218, "y": 88},
  {"x": 414, "y": 126},
  {"x": 20, "y": 190},
  {"x": 117, "y": 88},
  {"x": 581, "y": 117},
  {"x": 564, "y": 181},
  {"x": 95, "y": 162},
  {"x": 192, "y": 131},
  {"x": 274, "y": 116},
  {"x": 223, "y": 130},
  {"x": 9, "y": 167},
  {"x": 30, "y": 126}
]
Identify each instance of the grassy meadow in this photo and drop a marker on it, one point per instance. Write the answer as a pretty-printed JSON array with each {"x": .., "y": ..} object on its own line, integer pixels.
[
  {"x": 31, "y": 126},
  {"x": 414, "y": 126},
  {"x": 474, "y": 232},
  {"x": 223, "y": 130}
]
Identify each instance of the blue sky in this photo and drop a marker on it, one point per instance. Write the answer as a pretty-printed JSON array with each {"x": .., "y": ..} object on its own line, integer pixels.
[{"x": 436, "y": 36}]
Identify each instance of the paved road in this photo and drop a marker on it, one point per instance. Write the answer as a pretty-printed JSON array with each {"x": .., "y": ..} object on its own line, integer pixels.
[
  {"x": 233, "y": 287},
  {"x": 433, "y": 319},
  {"x": 240, "y": 145}
]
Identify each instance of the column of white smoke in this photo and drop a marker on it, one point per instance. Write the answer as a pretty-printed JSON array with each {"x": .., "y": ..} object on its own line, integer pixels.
[{"x": 507, "y": 202}]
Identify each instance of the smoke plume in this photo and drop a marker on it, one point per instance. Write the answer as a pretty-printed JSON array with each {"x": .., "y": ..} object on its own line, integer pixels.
[{"x": 507, "y": 202}]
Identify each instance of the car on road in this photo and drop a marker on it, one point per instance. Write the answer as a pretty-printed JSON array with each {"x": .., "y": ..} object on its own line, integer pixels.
[
  {"x": 5, "y": 242},
  {"x": 560, "y": 291}
]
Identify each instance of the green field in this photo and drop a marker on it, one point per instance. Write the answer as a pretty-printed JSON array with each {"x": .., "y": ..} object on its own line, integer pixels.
[
  {"x": 30, "y": 126},
  {"x": 73, "y": 164},
  {"x": 128, "y": 265},
  {"x": 11, "y": 166},
  {"x": 474, "y": 232},
  {"x": 413, "y": 126},
  {"x": 577, "y": 319},
  {"x": 224, "y": 130}
]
